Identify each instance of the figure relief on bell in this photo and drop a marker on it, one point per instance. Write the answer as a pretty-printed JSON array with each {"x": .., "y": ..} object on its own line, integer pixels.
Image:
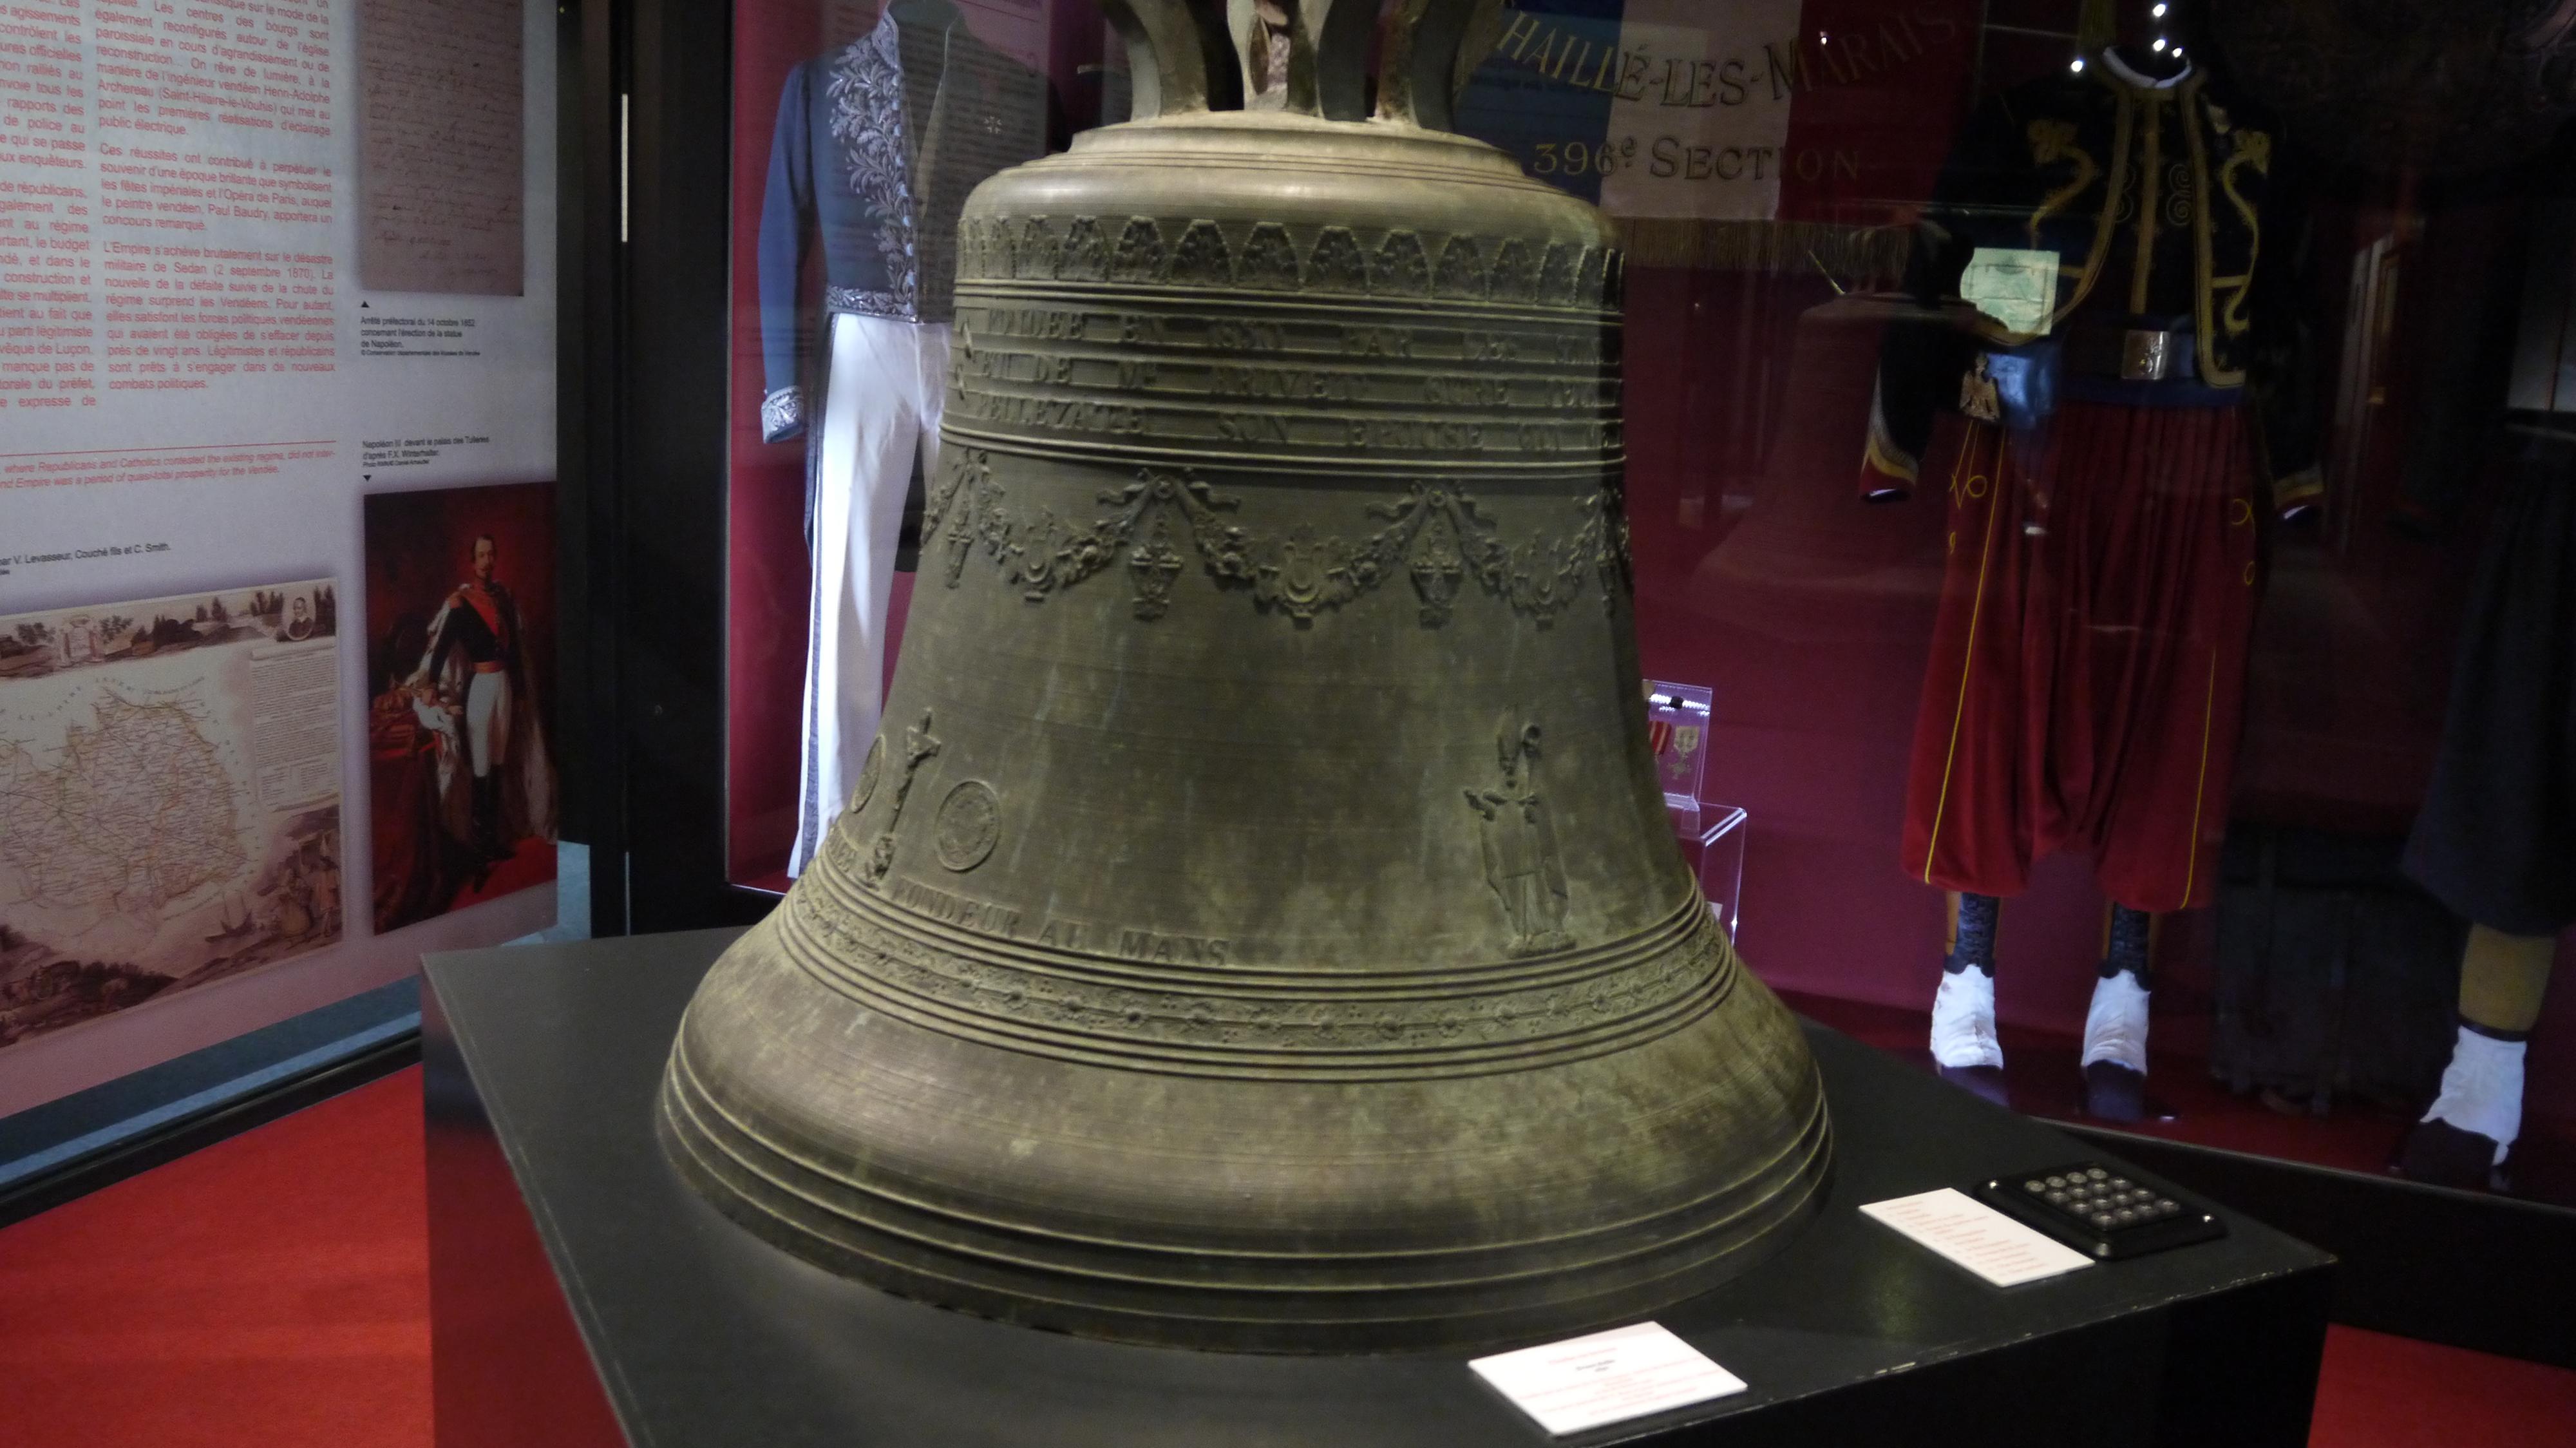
[
  {"x": 1521, "y": 862},
  {"x": 919, "y": 746},
  {"x": 1154, "y": 564}
]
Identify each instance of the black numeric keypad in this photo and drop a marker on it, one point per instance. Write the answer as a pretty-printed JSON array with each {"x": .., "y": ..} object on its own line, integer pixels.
[{"x": 2102, "y": 1211}]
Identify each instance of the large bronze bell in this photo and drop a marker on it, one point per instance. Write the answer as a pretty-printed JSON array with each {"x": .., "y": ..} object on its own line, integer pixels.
[{"x": 1258, "y": 926}]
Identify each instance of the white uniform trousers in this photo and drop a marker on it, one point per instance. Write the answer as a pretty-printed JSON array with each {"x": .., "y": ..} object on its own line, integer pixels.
[
  {"x": 888, "y": 380},
  {"x": 487, "y": 721}
]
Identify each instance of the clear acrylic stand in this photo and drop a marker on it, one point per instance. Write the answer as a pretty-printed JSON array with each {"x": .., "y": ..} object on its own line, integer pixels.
[
  {"x": 1711, "y": 835},
  {"x": 1712, "y": 840}
]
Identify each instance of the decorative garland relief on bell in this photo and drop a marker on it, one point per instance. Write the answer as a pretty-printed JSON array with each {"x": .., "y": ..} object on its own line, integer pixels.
[{"x": 1435, "y": 534}]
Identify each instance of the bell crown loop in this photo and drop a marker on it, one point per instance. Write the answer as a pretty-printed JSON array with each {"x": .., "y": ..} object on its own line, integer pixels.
[{"x": 1304, "y": 57}]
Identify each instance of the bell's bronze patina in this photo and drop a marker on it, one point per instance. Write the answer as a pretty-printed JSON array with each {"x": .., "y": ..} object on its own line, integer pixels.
[{"x": 1257, "y": 926}]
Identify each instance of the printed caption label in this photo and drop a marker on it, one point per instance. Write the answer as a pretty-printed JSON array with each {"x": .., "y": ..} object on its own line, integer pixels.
[
  {"x": 1606, "y": 1377},
  {"x": 1977, "y": 1237}
]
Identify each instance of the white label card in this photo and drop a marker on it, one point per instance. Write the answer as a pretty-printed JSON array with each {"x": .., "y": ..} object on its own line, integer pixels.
[
  {"x": 1606, "y": 1377},
  {"x": 2014, "y": 286},
  {"x": 1977, "y": 1237}
]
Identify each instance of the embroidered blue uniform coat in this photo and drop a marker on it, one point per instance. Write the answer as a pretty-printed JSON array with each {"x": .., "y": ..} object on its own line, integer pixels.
[{"x": 877, "y": 145}]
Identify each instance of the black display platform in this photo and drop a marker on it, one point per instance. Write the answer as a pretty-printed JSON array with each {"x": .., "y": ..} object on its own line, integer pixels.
[{"x": 542, "y": 1063}]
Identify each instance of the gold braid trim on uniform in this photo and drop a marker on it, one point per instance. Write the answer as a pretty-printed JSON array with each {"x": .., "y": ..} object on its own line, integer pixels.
[
  {"x": 1976, "y": 611},
  {"x": 1899, "y": 468},
  {"x": 2253, "y": 148},
  {"x": 2151, "y": 174},
  {"x": 2205, "y": 313},
  {"x": 1883, "y": 457},
  {"x": 2052, "y": 141}
]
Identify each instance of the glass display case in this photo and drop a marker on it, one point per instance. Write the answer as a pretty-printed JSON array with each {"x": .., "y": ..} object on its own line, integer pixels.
[
  {"x": 858, "y": 134},
  {"x": 2110, "y": 492},
  {"x": 2122, "y": 483}
]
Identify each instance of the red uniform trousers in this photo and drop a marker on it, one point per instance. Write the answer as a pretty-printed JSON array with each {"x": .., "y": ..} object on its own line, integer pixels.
[{"x": 2087, "y": 678}]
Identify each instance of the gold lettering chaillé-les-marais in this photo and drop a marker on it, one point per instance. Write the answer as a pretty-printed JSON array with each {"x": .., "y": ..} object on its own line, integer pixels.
[
  {"x": 1780, "y": 70},
  {"x": 1673, "y": 156},
  {"x": 1775, "y": 73}
]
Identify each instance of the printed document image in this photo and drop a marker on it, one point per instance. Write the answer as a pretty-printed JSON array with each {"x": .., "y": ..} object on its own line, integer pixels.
[{"x": 169, "y": 796}]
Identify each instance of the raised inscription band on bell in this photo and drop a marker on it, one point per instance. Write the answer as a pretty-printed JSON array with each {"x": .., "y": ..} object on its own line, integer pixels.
[
  {"x": 1547, "y": 369},
  {"x": 991, "y": 973},
  {"x": 1126, "y": 317},
  {"x": 1493, "y": 385},
  {"x": 1105, "y": 337},
  {"x": 1242, "y": 438},
  {"x": 1133, "y": 374},
  {"x": 1313, "y": 262}
]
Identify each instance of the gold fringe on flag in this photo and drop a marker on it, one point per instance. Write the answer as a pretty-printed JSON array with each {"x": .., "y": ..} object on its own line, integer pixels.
[{"x": 1854, "y": 257}]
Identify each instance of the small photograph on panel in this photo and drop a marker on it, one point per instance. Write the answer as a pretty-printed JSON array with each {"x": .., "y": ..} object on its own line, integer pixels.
[
  {"x": 169, "y": 797},
  {"x": 460, "y": 668}
]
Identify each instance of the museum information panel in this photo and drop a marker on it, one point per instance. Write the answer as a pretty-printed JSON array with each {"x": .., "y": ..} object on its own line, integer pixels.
[{"x": 258, "y": 260}]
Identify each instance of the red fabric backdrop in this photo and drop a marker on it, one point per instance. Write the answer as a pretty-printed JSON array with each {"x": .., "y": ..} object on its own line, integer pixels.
[{"x": 1759, "y": 572}]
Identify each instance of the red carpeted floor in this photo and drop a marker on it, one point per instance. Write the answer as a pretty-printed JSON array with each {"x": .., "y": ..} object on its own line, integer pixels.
[{"x": 272, "y": 1291}]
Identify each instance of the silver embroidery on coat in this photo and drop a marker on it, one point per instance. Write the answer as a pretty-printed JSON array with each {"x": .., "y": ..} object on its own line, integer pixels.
[
  {"x": 866, "y": 91},
  {"x": 868, "y": 303},
  {"x": 781, "y": 413}
]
